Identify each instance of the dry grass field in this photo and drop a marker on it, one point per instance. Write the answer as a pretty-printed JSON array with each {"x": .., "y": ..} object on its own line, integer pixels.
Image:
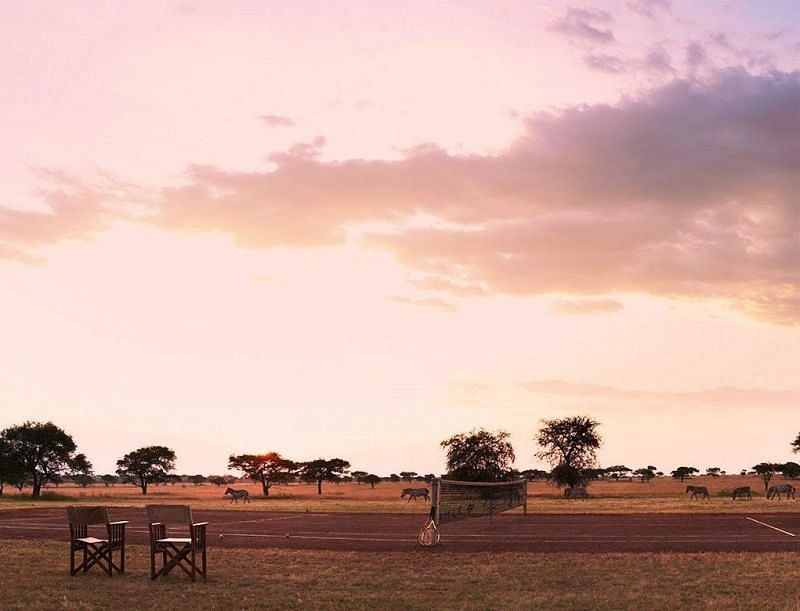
[
  {"x": 661, "y": 495},
  {"x": 34, "y": 575}
]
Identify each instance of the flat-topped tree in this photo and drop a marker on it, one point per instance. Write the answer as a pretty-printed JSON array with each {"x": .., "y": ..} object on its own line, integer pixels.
[
  {"x": 645, "y": 474},
  {"x": 766, "y": 470},
  {"x": 372, "y": 479},
  {"x": 324, "y": 470},
  {"x": 145, "y": 466},
  {"x": 46, "y": 453},
  {"x": 713, "y": 471},
  {"x": 682, "y": 473},
  {"x": 408, "y": 475},
  {"x": 108, "y": 479},
  {"x": 359, "y": 476},
  {"x": 268, "y": 469}
]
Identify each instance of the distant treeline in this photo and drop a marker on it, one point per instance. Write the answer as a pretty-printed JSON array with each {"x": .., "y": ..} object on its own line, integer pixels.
[{"x": 36, "y": 454}]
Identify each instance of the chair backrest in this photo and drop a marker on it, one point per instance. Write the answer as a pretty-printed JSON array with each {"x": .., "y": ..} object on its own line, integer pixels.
[
  {"x": 84, "y": 516},
  {"x": 169, "y": 514}
]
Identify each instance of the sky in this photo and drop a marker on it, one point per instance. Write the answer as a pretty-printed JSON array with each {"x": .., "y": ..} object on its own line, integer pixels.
[{"x": 354, "y": 229}]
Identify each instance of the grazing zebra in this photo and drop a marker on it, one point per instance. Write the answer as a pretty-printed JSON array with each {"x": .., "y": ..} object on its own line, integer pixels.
[
  {"x": 413, "y": 493},
  {"x": 696, "y": 491},
  {"x": 741, "y": 492},
  {"x": 774, "y": 491},
  {"x": 238, "y": 494},
  {"x": 576, "y": 493}
]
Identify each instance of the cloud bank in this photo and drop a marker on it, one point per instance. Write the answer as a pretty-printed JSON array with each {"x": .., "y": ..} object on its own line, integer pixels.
[{"x": 690, "y": 190}]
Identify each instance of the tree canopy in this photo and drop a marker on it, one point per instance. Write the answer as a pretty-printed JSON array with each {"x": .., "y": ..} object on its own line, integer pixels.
[
  {"x": 268, "y": 469},
  {"x": 324, "y": 470},
  {"x": 766, "y": 470},
  {"x": 372, "y": 479},
  {"x": 45, "y": 453},
  {"x": 479, "y": 456},
  {"x": 146, "y": 466},
  {"x": 570, "y": 446},
  {"x": 12, "y": 471},
  {"x": 682, "y": 473}
]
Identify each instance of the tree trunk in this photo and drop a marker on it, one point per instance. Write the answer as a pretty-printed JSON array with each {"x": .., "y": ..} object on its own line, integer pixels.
[
  {"x": 143, "y": 485},
  {"x": 264, "y": 485},
  {"x": 319, "y": 486},
  {"x": 37, "y": 487}
]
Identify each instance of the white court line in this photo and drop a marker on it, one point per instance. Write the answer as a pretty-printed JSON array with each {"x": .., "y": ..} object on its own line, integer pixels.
[
  {"x": 325, "y": 538},
  {"x": 780, "y": 530},
  {"x": 299, "y": 515}
]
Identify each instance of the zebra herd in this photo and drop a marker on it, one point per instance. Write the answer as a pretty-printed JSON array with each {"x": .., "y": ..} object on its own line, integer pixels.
[{"x": 743, "y": 492}]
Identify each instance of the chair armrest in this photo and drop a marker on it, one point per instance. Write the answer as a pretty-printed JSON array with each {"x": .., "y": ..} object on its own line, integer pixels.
[
  {"x": 200, "y": 524},
  {"x": 118, "y": 523}
]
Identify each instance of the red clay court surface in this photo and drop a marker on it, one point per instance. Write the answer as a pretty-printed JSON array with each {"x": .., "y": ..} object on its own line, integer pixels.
[{"x": 387, "y": 532}]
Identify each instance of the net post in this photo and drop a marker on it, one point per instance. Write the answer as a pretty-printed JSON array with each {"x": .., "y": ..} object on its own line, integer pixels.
[
  {"x": 525, "y": 498},
  {"x": 435, "y": 500}
]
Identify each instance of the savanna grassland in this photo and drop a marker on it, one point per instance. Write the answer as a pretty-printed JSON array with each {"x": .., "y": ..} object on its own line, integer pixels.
[
  {"x": 33, "y": 572},
  {"x": 33, "y": 575},
  {"x": 663, "y": 494}
]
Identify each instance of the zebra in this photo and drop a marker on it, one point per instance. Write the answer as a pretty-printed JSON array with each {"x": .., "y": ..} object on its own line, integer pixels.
[
  {"x": 774, "y": 491},
  {"x": 696, "y": 491},
  {"x": 238, "y": 494},
  {"x": 413, "y": 493},
  {"x": 576, "y": 493},
  {"x": 741, "y": 492}
]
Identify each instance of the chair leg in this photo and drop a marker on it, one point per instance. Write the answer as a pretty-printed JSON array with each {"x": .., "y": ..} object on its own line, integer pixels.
[
  {"x": 194, "y": 566},
  {"x": 85, "y": 558},
  {"x": 152, "y": 563},
  {"x": 122, "y": 558},
  {"x": 204, "y": 564}
]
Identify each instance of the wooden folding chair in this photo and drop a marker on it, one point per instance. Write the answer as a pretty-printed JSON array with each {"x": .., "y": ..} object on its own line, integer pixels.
[
  {"x": 176, "y": 551},
  {"x": 95, "y": 551}
]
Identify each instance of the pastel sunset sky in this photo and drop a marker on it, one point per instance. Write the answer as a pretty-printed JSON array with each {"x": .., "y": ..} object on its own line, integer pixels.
[{"x": 355, "y": 228}]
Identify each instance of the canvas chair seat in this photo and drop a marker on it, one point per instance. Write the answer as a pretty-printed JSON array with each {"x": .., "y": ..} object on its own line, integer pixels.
[
  {"x": 176, "y": 540},
  {"x": 92, "y": 540}
]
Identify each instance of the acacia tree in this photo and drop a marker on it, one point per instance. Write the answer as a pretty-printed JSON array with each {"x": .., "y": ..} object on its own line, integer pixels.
[
  {"x": 359, "y": 476},
  {"x": 713, "y": 471},
  {"x": 796, "y": 444},
  {"x": 108, "y": 479},
  {"x": 790, "y": 470},
  {"x": 682, "y": 473},
  {"x": 45, "y": 452},
  {"x": 645, "y": 474},
  {"x": 324, "y": 470},
  {"x": 408, "y": 475},
  {"x": 145, "y": 466},
  {"x": 617, "y": 471},
  {"x": 268, "y": 469},
  {"x": 372, "y": 479},
  {"x": 479, "y": 456},
  {"x": 766, "y": 470},
  {"x": 570, "y": 446}
]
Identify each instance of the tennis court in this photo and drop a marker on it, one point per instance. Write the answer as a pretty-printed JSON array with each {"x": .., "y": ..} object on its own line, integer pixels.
[{"x": 387, "y": 532}]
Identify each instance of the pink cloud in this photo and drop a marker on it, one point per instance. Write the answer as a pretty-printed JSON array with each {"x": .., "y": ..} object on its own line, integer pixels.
[
  {"x": 277, "y": 120},
  {"x": 586, "y": 307},
  {"x": 689, "y": 190},
  {"x": 584, "y": 26}
]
